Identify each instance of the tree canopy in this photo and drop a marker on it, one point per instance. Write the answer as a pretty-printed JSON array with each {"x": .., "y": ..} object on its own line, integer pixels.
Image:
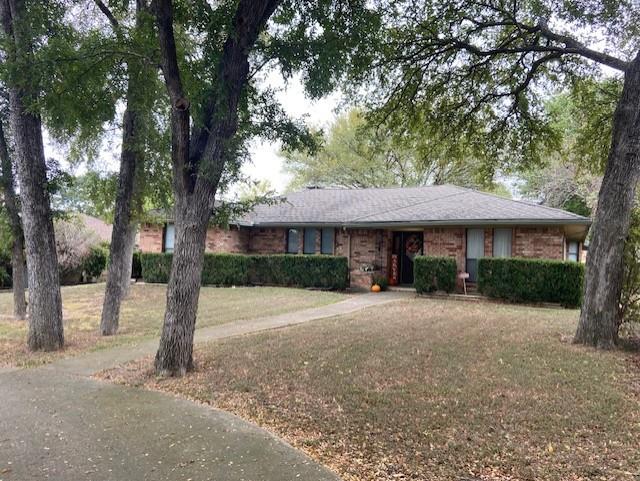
[
  {"x": 357, "y": 153},
  {"x": 484, "y": 69}
]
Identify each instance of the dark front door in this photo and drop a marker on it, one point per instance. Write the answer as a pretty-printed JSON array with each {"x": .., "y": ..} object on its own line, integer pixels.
[{"x": 407, "y": 245}]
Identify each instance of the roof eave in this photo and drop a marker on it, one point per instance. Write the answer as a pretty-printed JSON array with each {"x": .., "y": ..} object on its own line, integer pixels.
[{"x": 456, "y": 222}]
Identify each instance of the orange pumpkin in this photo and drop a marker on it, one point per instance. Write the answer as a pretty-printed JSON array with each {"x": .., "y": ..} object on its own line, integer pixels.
[{"x": 375, "y": 288}]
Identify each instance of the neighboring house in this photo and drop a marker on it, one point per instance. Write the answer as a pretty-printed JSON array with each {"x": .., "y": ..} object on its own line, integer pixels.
[
  {"x": 380, "y": 231},
  {"x": 100, "y": 228}
]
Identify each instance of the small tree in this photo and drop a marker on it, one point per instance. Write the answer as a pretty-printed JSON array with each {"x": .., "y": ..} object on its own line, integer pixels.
[{"x": 12, "y": 207}]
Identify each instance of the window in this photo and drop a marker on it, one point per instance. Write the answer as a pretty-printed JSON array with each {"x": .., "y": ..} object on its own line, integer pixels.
[
  {"x": 169, "y": 237},
  {"x": 309, "y": 241},
  {"x": 293, "y": 240},
  {"x": 475, "y": 251},
  {"x": 572, "y": 251},
  {"x": 326, "y": 241},
  {"x": 502, "y": 242}
]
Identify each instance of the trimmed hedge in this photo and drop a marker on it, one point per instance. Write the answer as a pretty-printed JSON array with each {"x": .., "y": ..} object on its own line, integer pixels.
[
  {"x": 96, "y": 261},
  {"x": 225, "y": 270},
  {"x": 432, "y": 273},
  {"x": 156, "y": 267},
  {"x": 327, "y": 272},
  {"x": 531, "y": 280}
]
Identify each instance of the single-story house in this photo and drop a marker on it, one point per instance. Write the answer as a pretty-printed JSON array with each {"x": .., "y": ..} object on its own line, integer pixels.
[{"x": 380, "y": 231}]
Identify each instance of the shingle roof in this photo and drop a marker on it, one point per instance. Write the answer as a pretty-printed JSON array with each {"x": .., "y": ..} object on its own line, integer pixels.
[
  {"x": 432, "y": 205},
  {"x": 98, "y": 226}
]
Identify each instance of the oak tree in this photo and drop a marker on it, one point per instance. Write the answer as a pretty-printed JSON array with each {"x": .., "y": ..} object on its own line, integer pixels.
[
  {"x": 20, "y": 26},
  {"x": 216, "y": 105},
  {"x": 138, "y": 109},
  {"x": 484, "y": 69}
]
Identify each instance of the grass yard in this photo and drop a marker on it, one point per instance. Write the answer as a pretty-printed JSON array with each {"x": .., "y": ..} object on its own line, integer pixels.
[
  {"x": 142, "y": 315},
  {"x": 429, "y": 389}
]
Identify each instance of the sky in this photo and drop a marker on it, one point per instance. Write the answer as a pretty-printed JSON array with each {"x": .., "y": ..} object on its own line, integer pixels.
[{"x": 265, "y": 161}]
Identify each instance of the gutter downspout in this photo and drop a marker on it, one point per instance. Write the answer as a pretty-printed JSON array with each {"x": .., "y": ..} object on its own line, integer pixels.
[{"x": 348, "y": 251}]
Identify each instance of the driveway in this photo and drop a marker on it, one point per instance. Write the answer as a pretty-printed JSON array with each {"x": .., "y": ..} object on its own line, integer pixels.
[{"x": 57, "y": 423}]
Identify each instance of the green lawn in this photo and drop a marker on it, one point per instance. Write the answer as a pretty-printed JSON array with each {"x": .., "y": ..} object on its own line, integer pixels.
[
  {"x": 142, "y": 315},
  {"x": 429, "y": 389}
]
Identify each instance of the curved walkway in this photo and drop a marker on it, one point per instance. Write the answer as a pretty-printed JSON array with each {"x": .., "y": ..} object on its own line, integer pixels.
[{"x": 57, "y": 423}]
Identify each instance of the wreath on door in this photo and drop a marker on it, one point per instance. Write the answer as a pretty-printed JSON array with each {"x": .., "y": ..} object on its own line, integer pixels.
[{"x": 413, "y": 246}]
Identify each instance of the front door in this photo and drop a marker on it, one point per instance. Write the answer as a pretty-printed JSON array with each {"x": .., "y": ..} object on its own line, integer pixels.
[
  {"x": 407, "y": 245},
  {"x": 475, "y": 250}
]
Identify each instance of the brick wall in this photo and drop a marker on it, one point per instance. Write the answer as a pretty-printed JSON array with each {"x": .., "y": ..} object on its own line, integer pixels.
[
  {"x": 446, "y": 241},
  {"x": 150, "y": 238},
  {"x": 538, "y": 242},
  {"x": 532, "y": 242},
  {"x": 368, "y": 247},
  {"x": 269, "y": 240},
  {"x": 233, "y": 240}
]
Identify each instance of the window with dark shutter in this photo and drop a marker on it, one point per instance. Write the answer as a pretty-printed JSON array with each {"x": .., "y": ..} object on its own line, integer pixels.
[
  {"x": 293, "y": 240},
  {"x": 309, "y": 241},
  {"x": 327, "y": 240}
]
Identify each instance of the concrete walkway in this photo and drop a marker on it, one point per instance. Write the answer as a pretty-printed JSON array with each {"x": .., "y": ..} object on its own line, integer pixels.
[{"x": 56, "y": 423}]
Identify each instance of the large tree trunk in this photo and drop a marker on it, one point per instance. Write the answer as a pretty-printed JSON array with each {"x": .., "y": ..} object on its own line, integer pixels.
[
  {"x": 18, "y": 263},
  {"x": 599, "y": 317},
  {"x": 120, "y": 258},
  {"x": 175, "y": 353},
  {"x": 45, "y": 303},
  {"x": 198, "y": 162}
]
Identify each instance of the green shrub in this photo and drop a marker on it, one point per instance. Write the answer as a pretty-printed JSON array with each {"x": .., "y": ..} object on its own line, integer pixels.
[
  {"x": 225, "y": 270},
  {"x": 382, "y": 281},
  {"x": 136, "y": 266},
  {"x": 434, "y": 274},
  {"x": 327, "y": 272},
  {"x": 5, "y": 268},
  {"x": 156, "y": 267},
  {"x": 95, "y": 261},
  {"x": 5, "y": 278},
  {"x": 531, "y": 280}
]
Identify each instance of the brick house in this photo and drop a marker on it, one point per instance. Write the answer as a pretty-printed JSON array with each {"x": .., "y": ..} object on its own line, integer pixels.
[{"x": 380, "y": 231}]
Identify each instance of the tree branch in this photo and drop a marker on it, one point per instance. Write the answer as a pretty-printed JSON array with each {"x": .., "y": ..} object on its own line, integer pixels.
[
  {"x": 107, "y": 13},
  {"x": 573, "y": 46},
  {"x": 184, "y": 172}
]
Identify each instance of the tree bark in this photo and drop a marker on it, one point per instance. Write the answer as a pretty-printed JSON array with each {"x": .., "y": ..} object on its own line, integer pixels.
[
  {"x": 599, "y": 316},
  {"x": 18, "y": 263},
  {"x": 45, "y": 303},
  {"x": 131, "y": 159},
  {"x": 198, "y": 162},
  {"x": 175, "y": 353},
  {"x": 120, "y": 259}
]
